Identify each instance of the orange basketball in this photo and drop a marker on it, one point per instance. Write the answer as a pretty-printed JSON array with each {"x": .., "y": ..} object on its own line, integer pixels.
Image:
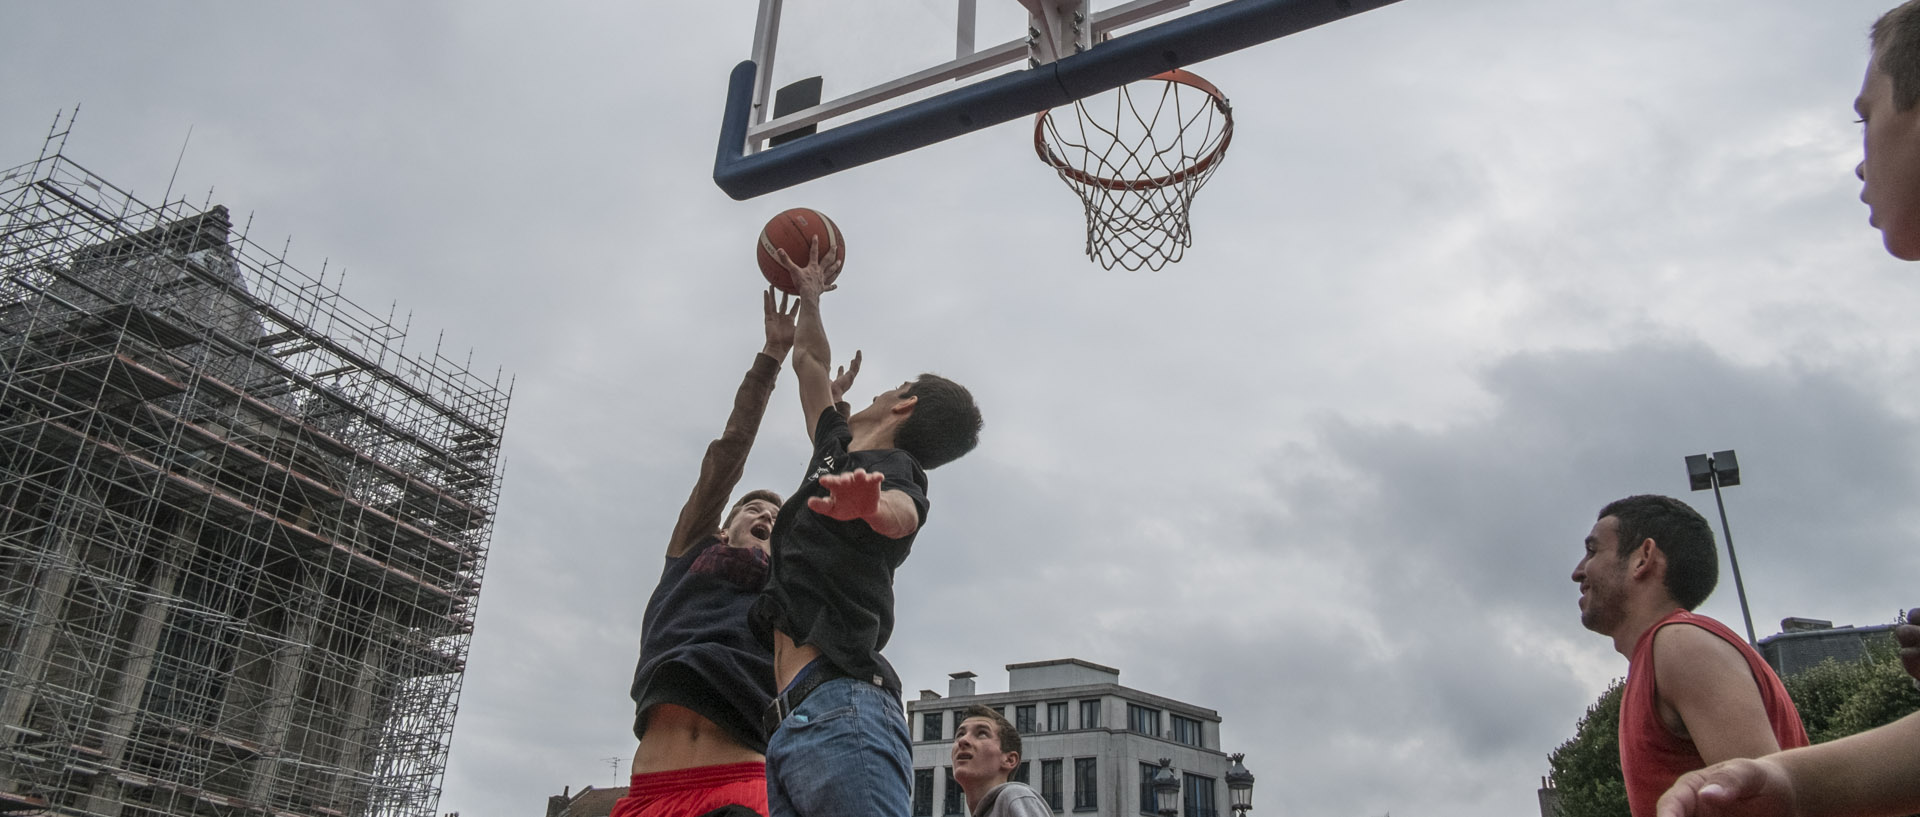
[{"x": 791, "y": 231}]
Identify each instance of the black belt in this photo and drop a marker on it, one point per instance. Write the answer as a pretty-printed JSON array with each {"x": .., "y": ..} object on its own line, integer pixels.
[{"x": 784, "y": 703}]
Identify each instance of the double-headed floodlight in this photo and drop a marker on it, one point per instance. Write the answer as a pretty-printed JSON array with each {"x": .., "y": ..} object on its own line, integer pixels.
[
  {"x": 1702, "y": 470},
  {"x": 1715, "y": 470}
]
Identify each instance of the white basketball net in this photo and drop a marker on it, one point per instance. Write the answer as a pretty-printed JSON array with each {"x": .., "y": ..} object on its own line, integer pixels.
[{"x": 1137, "y": 162}]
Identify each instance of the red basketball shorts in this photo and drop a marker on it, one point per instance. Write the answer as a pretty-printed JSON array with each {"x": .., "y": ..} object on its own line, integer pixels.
[{"x": 696, "y": 791}]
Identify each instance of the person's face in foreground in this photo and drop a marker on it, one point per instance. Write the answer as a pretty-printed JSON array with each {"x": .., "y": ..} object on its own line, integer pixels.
[{"x": 1890, "y": 169}]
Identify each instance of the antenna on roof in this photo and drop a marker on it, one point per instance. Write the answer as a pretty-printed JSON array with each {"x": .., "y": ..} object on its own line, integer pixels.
[{"x": 176, "y": 168}]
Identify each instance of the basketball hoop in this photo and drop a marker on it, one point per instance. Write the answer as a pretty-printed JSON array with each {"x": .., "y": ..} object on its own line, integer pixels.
[{"x": 1137, "y": 168}]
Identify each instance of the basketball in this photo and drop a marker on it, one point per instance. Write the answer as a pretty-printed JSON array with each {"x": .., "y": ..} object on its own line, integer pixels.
[{"x": 791, "y": 231}]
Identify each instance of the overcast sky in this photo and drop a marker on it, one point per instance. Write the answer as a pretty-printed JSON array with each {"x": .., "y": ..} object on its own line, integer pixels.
[{"x": 1472, "y": 269}]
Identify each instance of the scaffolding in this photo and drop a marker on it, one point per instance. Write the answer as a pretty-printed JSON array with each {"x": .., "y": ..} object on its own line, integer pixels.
[{"x": 242, "y": 527}]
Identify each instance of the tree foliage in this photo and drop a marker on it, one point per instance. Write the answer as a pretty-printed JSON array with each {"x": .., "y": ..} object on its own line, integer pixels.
[
  {"x": 1586, "y": 769},
  {"x": 1835, "y": 699}
]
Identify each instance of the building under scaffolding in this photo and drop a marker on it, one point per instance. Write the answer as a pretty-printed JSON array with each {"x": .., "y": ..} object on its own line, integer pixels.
[{"x": 242, "y": 527}]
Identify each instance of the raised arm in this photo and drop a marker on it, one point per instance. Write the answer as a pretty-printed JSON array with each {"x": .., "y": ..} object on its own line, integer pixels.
[
  {"x": 726, "y": 457},
  {"x": 1707, "y": 682},
  {"x": 812, "y": 355},
  {"x": 1872, "y": 774}
]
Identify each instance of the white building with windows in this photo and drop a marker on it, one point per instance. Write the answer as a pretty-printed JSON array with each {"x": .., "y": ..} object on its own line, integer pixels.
[{"x": 1090, "y": 746}]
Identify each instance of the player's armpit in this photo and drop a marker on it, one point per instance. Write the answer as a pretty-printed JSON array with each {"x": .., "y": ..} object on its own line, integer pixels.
[{"x": 1706, "y": 683}]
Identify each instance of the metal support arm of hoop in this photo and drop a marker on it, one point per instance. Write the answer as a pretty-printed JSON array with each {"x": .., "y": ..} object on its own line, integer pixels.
[{"x": 1196, "y": 37}]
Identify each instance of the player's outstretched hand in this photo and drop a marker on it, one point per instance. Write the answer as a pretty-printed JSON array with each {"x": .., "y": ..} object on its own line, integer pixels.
[
  {"x": 819, "y": 273},
  {"x": 1908, "y": 635},
  {"x": 779, "y": 323},
  {"x": 1734, "y": 788},
  {"x": 844, "y": 380},
  {"x": 853, "y": 495}
]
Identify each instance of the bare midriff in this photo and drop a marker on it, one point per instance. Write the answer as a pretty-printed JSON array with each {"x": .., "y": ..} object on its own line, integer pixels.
[
  {"x": 679, "y": 738},
  {"x": 789, "y": 659}
]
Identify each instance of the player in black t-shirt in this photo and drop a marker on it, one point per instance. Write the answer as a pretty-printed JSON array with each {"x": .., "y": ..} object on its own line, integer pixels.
[
  {"x": 840, "y": 745},
  {"x": 703, "y": 680}
]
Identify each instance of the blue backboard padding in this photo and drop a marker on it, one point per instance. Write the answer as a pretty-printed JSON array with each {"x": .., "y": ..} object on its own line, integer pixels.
[{"x": 1180, "y": 42}]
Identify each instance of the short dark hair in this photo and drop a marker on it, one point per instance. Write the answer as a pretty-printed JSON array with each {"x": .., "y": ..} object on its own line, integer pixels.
[
  {"x": 1009, "y": 736},
  {"x": 1693, "y": 566},
  {"x": 759, "y": 493},
  {"x": 1896, "y": 52},
  {"x": 944, "y": 425}
]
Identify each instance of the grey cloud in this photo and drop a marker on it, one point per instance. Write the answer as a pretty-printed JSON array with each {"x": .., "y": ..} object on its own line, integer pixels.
[{"x": 1472, "y": 269}]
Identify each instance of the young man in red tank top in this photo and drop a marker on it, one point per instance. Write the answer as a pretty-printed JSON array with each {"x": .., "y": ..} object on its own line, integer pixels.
[
  {"x": 1876, "y": 772},
  {"x": 1696, "y": 693}
]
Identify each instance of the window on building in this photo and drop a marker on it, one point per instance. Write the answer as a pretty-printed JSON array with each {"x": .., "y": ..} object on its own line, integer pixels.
[
  {"x": 1086, "y": 784},
  {"x": 958, "y": 716},
  {"x": 1023, "y": 773},
  {"x": 1197, "y": 794},
  {"x": 1146, "y": 788},
  {"x": 1090, "y": 714},
  {"x": 932, "y": 726},
  {"x": 1057, "y": 717},
  {"x": 1186, "y": 730},
  {"x": 1050, "y": 783},
  {"x": 1143, "y": 719},
  {"x": 1023, "y": 719},
  {"x": 956, "y": 799},
  {"x": 922, "y": 793}
]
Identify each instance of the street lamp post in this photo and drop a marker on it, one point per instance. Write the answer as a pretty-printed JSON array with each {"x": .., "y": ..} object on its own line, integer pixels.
[
  {"x": 1166, "y": 790},
  {"x": 1239, "y": 786},
  {"x": 1713, "y": 471}
]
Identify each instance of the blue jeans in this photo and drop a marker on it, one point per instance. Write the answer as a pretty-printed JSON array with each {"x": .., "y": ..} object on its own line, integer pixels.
[{"x": 843, "y": 752}]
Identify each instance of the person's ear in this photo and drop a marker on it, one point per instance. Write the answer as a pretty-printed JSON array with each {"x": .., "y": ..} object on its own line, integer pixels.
[{"x": 1645, "y": 557}]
